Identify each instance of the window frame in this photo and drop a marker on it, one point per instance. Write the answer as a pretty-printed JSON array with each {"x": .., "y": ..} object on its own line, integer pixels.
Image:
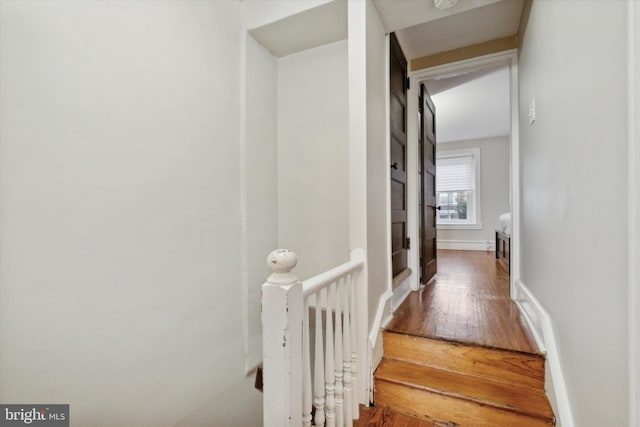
[{"x": 475, "y": 155}]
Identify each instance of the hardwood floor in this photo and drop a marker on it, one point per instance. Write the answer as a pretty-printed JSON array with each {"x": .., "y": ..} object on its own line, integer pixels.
[
  {"x": 467, "y": 302},
  {"x": 458, "y": 354},
  {"x": 384, "y": 417}
]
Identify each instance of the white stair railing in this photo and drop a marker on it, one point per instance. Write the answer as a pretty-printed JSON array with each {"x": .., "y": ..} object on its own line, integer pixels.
[{"x": 333, "y": 307}]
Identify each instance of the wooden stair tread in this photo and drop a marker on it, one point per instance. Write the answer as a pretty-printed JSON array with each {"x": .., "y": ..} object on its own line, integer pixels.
[
  {"x": 385, "y": 417},
  {"x": 493, "y": 363},
  {"x": 525, "y": 400},
  {"x": 448, "y": 410}
]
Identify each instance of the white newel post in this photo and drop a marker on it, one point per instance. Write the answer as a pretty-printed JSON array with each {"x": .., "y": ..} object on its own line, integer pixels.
[{"x": 282, "y": 317}]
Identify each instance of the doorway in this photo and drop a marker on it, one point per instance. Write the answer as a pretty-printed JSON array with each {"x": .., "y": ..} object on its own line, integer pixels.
[{"x": 506, "y": 59}]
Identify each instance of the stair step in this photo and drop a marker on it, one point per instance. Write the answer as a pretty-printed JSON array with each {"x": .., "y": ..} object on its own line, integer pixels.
[
  {"x": 496, "y": 364},
  {"x": 376, "y": 417},
  {"x": 462, "y": 400}
]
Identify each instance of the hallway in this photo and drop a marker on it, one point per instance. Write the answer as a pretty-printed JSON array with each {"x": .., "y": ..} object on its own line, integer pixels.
[
  {"x": 469, "y": 302},
  {"x": 458, "y": 353}
]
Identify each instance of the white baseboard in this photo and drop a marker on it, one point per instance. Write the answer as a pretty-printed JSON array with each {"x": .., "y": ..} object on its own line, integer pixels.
[
  {"x": 387, "y": 304},
  {"x": 540, "y": 324},
  {"x": 377, "y": 353},
  {"x": 382, "y": 317},
  {"x": 383, "y": 314},
  {"x": 400, "y": 293},
  {"x": 467, "y": 245}
]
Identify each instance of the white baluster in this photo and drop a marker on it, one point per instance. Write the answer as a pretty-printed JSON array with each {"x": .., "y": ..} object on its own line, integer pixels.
[
  {"x": 306, "y": 368},
  {"x": 346, "y": 343},
  {"x": 318, "y": 381},
  {"x": 354, "y": 351},
  {"x": 329, "y": 365},
  {"x": 339, "y": 357}
]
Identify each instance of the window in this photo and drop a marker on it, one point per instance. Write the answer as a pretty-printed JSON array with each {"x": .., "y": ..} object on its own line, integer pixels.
[{"x": 457, "y": 181}]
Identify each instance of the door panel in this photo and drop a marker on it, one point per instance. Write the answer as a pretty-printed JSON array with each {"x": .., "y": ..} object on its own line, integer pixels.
[
  {"x": 430, "y": 218},
  {"x": 396, "y": 233},
  {"x": 399, "y": 261},
  {"x": 429, "y": 183},
  {"x": 398, "y": 158},
  {"x": 398, "y": 126},
  {"x": 427, "y": 150},
  {"x": 397, "y": 116},
  {"x": 397, "y": 197}
]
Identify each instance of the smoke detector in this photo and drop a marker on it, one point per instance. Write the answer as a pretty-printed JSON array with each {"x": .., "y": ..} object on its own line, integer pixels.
[{"x": 444, "y": 4}]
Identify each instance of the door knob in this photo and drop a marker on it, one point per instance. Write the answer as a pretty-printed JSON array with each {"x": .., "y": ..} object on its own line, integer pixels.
[
  {"x": 438, "y": 207},
  {"x": 394, "y": 165}
]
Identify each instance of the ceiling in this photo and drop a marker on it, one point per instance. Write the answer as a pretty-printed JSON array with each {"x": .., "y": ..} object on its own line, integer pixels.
[
  {"x": 472, "y": 105},
  {"x": 424, "y": 30}
]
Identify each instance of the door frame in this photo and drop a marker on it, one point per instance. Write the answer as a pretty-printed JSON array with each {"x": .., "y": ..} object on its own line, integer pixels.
[
  {"x": 633, "y": 225},
  {"x": 509, "y": 58}
]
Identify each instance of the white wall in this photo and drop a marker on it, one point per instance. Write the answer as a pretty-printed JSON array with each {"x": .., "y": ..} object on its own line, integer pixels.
[
  {"x": 313, "y": 162},
  {"x": 120, "y": 212},
  {"x": 573, "y": 170},
  {"x": 378, "y": 215},
  {"x": 261, "y": 181},
  {"x": 494, "y": 188}
]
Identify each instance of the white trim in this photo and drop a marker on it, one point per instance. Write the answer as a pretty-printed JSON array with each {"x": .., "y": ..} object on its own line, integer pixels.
[
  {"x": 633, "y": 197},
  {"x": 467, "y": 245},
  {"x": 510, "y": 58},
  {"x": 400, "y": 293},
  {"x": 532, "y": 311},
  {"x": 540, "y": 324},
  {"x": 473, "y": 151},
  {"x": 384, "y": 306},
  {"x": 477, "y": 226},
  {"x": 413, "y": 186},
  {"x": 514, "y": 181},
  {"x": 505, "y": 58},
  {"x": 244, "y": 255},
  {"x": 375, "y": 353},
  {"x": 387, "y": 304}
]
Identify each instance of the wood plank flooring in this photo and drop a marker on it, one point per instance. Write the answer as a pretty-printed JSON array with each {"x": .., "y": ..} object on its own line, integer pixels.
[
  {"x": 467, "y": 302},
  {"x": 384, "y": 417}
]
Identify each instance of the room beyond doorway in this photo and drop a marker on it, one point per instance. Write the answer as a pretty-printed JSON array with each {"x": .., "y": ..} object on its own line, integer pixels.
[{"x": 481, "y": 64}]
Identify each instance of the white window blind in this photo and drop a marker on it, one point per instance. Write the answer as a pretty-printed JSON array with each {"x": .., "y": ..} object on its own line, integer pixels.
[{"x": 455, "y": 174}]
